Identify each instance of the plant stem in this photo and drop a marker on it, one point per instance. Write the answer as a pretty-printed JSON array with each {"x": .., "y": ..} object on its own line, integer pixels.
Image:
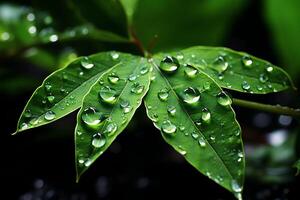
[
  {"x": 137, "y": 42},
  {"x": 278, "y": 109}
]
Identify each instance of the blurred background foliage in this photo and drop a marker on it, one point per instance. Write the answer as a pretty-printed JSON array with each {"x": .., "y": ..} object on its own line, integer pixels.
[{"x": 39, "y": 37}]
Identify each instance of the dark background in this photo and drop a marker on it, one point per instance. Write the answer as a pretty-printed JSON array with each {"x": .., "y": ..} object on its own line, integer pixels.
[{"x": 39, "y": 163}]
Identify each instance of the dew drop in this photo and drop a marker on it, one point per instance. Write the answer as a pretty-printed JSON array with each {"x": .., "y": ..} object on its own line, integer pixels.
[
  {"x": 23, "y": 126},
  {"x": 206, "y": 85},
  {"x": 163, "y": 94},
  {"x": 181, "y": 150},
  {"x": 206, "y": 115},
  {"x": 220, "y": 64},
  {"x": 125, "y": 105},
  {"x": 191, "y": 95},
  {"x": 50, "y": 98},
  {"x": 88, "y": 162},
  {"x": 169, "y": 64},
  {"x": 168, "y": 128},
  {"x": 245, "y": 85},
  {"x": 114, "y": 55},
  {"x": 263, "y": 78},
  {"x": 202, "y": 142},
  {"x": 108, "y": 94},
  {"x": 50, "y": 115},
  {"x": 195, "y": 135},
  {"x": 48, "y": 87},
  {"x": 99, "y": 140},
  {"x": 247, "y": 61},
  {"x": 223, "y": 99},
  {"x": 111, "y": 128},
  {"x": 86, "y": 63},
  {"x": 190, "y": 71},
  {"x": 132, "y": 77},
  {"x": 27, "y": 113},
  {"x": 91, "y": 117},
  {"x": 137, "y": 88},
  {"x": 235, "y": 186},
  {"x": 269, "y": 68},
  {"x": 181, "y": 128},
  {"x": 144, "y": 70},
  {"x": 171, "y": 110},
  {"x": 113, "y": 78}
]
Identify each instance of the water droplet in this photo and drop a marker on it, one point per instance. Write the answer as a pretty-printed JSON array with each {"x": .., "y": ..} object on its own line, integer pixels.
[
  {"x": 223, "y": 99},
  {"x": 113, "y": 78},
  {"x": 125, "y": 105},
  {"x": 269, "y": 68},
  {"x": 132, "y": 77},
  {"x": 235, "y": 186},
  {"x": 163, "y": 94},
  {"x": 48, "y": 87},
  {"x": 171, "y": 110},
  {"x": 206, "y": 115},
  {"x": 220, "y": 64},
  {"x": 50, "y": 98},
  {"x": 80, "y": 161},
  {"x": 114, "y": 55},
  {"x": 202, "y": 142},
  {"x": 79, "y": 133},
  {"x": 212, "y": 138},
  {"x": 92, "y": 117},
  {"x": 153, "y": 117},
  {"x": 247, "y": 61},
  {"x": 263, "y": 78},
  {"x": 206, "y": 85},
  {"x": 195, "y": 135},
  {"x": 108, "y": 94},
  {"x": 137, "y": 88},
  {"x": 181, "y": 128},
  {"x": 191, "y": 95},
  {"x": 181, "y": 150},
  {"x": 144, "y": 70},
  {"x": 190, "y": 71},
  {"x": 245, "y": 85},
  {"x": 169, "y": 64},
  {"x": 27, "y": 113},
  {"x": 168, "y": 128},
  {"x": 86, "y": 63},
  {"x": 88, "y": 162},
  {"x": 23, "y": 126},
  {"x": 111, "y": 128},
  {"x": 50, "y": 115}
]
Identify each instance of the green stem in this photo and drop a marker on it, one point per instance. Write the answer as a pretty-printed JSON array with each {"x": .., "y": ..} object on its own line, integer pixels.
[{"x": 278, "y": 109}]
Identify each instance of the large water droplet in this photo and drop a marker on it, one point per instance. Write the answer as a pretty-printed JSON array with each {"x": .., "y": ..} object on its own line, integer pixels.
[
  {"x": 99, "y": 140},
  {"x": 235, "y": 186},
  {"x": 108, "y": 94},
  {"x": 48, "y": 87},
  {"x": 190, "y": 71},
  {"x": 50, "y": 115},
  {"x": 113, "y": 78},
  {"x": 245, "y": 85},
  {"x": 86, "y": 63},
  {"x": 163, "y": 94},
  {"x": 125, "y": 105},
  {"x": 168, "y": 128},
  {"x": 169, "y": 64},
  {"x": 191, "y": 95},
  {"x": 247, "y": 61},
  {"x": 91, "y": 117},
  {"x": 137, "y": 88},
  {"x": 171, "y": 110},
  {"x": 206, "y": 115},
  {"x": 111, "y": 128},
  {"x": 220, "y": 64},
  {"x": 223, "y": 99}
]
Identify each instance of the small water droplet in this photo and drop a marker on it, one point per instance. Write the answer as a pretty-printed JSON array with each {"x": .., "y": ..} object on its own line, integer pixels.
[
  {"x": 190, "y": 71},
  {"x": 137, "y": 88},
  {"x": 245, "y": 85},
  {"x": 223, "y": 99},
  {"x": 50, "y": 98},
  {"x": 80, "y": 161},
  {"x": 171, "y": 110},
  {"x": 263, "y": 78},
  {"x": 153, "y": 117},
  {"x": 108, "y": 94},
  {"x": 50, "y": 115},
  {"x": 181, "y": 150},
  {"x": 206, "y": 115},
  {"x": 48, "y": 87},
  {"x": 132, "y": 77},
  {"x": 206, "y": 86},
  {"x": 195, "y": 135},
  {"x": 202, "y": 142},
  {"x": 144, "y": 70},
  {"x": 181, "y": 128},
  {"x": 86, "y": 63},
  {"x": 220, "y": 64},
  {"x": 99, "y": 140},
  {"x": 235, "y": 186},
  {"x": 269, "y": 68},
  {"x": 247, "y": 61},
  {"x": 88, "y": 162},
  {"x": 113, "y": 78},
  {"x": 24, "y": 126},
  {"x": 168, "y": 127},
  {"x": 91, "y": 117},
  {"x": 191, "y": 95},
  {"x": 114, "y": 55},
  {"x": 169, "y": 64},
  {"x": 27, "y": 114},
  {"x": 125, "y": 105},
  {"x": 163, "y": 94},
  {"x": 111, "y": 128}
]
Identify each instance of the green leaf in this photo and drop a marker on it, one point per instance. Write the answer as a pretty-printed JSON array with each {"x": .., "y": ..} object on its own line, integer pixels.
[
  {"x": 282, "y": 17},
  {"x": 236, "y": 70},
  {"x": 62, "y": 92},
  {"x": 129, "y": 7},
  {"x": 297, "y": 165},
  {"x": 180, "y": 24},
  {"x": 104, "y": 14},
  {"x": 108, "y": 108},
  {"x": 196, "y": 119}
]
